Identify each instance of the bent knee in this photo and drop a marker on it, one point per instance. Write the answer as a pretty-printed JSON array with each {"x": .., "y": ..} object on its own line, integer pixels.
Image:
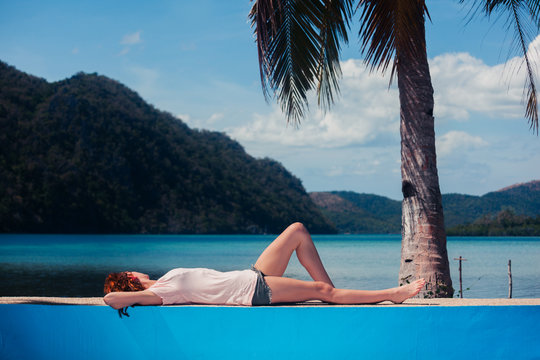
[{"x": 297, "y": 227}]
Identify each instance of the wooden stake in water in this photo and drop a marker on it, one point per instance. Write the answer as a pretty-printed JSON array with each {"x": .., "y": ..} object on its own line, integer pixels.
[
  {"x": 460, "y": 281},
  {"x": 509, "y": 279}
]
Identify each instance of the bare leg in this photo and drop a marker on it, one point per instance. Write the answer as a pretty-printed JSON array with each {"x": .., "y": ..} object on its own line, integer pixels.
[
  {"x": 292, "y": 290},
  {"x": 275, "y": 258}
]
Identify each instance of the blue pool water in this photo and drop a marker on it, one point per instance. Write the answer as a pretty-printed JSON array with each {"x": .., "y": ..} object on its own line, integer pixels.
[
  {"x": 59, "y": 332},
  {"x": 75, "y": 265}
]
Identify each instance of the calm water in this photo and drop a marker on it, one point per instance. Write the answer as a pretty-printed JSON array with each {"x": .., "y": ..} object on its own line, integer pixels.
[{"x": 75, "y": 265}]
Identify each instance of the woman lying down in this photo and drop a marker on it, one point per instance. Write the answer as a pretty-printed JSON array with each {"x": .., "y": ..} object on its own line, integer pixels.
[{"x": 263, "y": 284}]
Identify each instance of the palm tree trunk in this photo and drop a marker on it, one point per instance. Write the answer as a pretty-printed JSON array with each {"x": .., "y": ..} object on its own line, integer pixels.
[{"x": 423, "y": 248}]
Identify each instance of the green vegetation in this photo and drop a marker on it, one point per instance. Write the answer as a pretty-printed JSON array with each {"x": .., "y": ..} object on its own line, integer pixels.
[
  {"x": 504, "y": 223},
  {"x": 88, "y": 155},
  {"x": 463, "y": 209},
  {"x": 360, "y": 213},
  {"x": 371, "y": 214}
]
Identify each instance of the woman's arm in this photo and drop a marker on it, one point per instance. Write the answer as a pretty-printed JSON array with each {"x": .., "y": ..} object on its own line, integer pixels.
[{"x": 119, "y": 300}]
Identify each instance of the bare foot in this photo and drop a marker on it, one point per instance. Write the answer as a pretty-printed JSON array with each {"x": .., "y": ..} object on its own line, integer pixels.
[{"x": 402, "y": 293}]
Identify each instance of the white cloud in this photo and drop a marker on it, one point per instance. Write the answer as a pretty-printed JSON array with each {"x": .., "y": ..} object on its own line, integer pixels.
[
  {"x": 365, "y": 110},
  {"x": 533, "y": 50},
  {"x": 214, "y": 117},
  {"x": 465, "y": 85},
  {"x": 201, "y": 123},
  {"x": 184, "y": 117},
  {"x": 458, "y": 141},
  {"x": 131, "y": 39}
]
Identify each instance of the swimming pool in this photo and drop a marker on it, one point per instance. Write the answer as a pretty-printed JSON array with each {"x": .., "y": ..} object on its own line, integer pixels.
[{"x": 296, "y": 332}]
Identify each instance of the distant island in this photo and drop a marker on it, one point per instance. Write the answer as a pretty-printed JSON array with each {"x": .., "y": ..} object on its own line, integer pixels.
[
  {"x": 512, "y": 211},
  {"x": 89, "y": 155},
  {"x": 504, "y": 223}
]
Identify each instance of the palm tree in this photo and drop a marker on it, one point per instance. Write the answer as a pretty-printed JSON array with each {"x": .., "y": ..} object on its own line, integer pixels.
[{"x": 298, "y": 44}]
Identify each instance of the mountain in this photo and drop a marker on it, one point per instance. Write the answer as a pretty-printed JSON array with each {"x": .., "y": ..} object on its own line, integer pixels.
[
  {"x": 88, "y": 155},
  {"x": 360, "y": 213},
  {"x": 523, "y": 199},
  {"x": 368, "y": 214}
]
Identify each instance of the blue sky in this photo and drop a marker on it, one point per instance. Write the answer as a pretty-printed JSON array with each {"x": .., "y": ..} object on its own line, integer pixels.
[{"x": 198, "y": 61}]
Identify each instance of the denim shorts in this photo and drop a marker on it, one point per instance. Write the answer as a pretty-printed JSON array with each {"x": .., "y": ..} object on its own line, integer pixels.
[{"x": 263, "y": 293}]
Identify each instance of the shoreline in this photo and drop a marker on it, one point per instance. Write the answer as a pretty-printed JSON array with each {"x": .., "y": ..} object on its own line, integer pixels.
[{"x": 98, "y": 301}]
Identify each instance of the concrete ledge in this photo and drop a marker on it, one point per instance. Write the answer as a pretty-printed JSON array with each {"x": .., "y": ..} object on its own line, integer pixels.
[
  {"x": 416, "y": 330},
  {"x": 411, "y": 302},
  {"x": 48, "y": 300}
]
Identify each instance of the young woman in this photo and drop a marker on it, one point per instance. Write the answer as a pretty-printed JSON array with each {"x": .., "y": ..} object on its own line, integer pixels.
[{"x": 264, "y": 284}]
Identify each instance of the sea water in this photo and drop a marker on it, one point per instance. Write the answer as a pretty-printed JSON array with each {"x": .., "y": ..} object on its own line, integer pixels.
[{"x": 76, "y": 265}]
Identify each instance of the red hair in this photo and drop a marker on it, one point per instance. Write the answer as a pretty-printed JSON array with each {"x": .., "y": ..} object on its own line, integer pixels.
[{"x": 124, "y": 281}]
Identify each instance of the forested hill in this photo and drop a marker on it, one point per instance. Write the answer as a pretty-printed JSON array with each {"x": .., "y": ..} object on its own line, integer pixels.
[
  {"x": 523, "y": 199},
  {"x": 356, "y": 213},
  {"x": 88, "y": 155},
  {"x": 352, "y": 212}
]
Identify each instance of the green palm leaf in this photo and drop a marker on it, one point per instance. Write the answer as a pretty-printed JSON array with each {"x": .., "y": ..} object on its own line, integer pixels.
[
  {"x": 334, "y": 27},
  {"x": 387, "y": 27},
  {"x": 524, "y": 17},
  {"x": 298, "y": 44}
]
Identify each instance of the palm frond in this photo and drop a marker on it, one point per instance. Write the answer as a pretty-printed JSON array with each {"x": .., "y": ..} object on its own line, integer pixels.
[
  {"x": 334, "y": 27},
  {"x": 534, "y": 10},
  {"x": 298, "y": 43},
  {"x": 388, "y": 27},
  {"x": 524, "y": 17},
  {"x": 263, "y": 17}
]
